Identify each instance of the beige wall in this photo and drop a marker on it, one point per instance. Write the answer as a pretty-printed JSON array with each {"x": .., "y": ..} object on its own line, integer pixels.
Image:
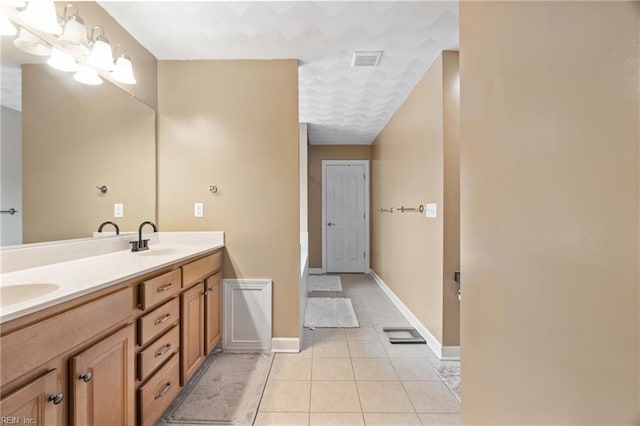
[
  {"x": 144, "y": 63},
  {"x": 414, "y": 162},
  {"x": 235, "y": 124},
  {"x": 549, "y": 178},
  {"x": 77, "y": 137},
  {"x": 317, "y": 153}
]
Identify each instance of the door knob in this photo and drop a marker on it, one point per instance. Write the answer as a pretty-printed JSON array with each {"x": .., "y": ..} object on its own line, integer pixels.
[
  {"x": 86, "y": 377},
  {"x": 330, "y": 224}
]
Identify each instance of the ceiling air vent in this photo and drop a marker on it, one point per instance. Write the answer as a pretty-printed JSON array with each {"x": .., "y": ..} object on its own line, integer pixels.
[{"x": 366, "y": 59}]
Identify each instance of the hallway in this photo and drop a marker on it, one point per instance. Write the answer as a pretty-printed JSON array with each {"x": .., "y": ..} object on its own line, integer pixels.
[{"x": 355, "y": 376}]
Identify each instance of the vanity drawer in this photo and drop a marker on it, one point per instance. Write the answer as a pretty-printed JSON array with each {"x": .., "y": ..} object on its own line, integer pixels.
[
  {"x": 158, "y": 352},
  {"x": 158, "y": 321},
  {"x": 158, "y": 289},
  {"x": 201, "y": 268},
  {"x": 155, "y": 396}
]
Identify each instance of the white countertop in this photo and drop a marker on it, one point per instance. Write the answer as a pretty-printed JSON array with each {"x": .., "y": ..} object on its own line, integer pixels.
[{"x": 84, "y": 275}]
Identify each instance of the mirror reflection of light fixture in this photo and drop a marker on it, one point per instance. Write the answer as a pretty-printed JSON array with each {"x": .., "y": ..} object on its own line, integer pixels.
[
  {"x": 123, "y": 71},
  {"x": 41, "y": 15},
  {"x": 86, "y": 75},
  {"x": 101, "y": 55},
  {"x": 6, "y": 27},
  {"x": 31, "y": 44},
  {"x": 75, "y": 33},
  {"x": 62, "y": 61}
]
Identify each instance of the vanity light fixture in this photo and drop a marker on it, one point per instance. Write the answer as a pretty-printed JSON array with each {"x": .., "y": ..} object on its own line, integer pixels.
[
  {"x": 101, "y": 55},
  {"x": 62, "y": 61},
  {"x": 123, "y": 71},
  {"x": 70, "y": 50},
  {"x": 31, "y": 44},
  {"x": 74, "y": 34},
  {"x": 41, "y": 15},
  {"x": 87, "y": 75}
]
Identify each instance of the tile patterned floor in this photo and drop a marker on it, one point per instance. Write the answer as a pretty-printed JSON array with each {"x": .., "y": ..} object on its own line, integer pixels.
[{"x": 355, "y": 376}]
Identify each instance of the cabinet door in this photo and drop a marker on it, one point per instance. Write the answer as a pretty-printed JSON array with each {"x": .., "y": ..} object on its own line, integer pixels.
[
  {"x": 102, "y": 382},
  {"x": 213, "y": 306},
  {"x": 31, "y": 404},
  {"x": 192, "y": 338}
]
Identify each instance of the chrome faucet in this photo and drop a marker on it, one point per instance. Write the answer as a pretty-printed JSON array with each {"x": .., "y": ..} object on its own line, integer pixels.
[
  {"x": 142, "y": 244},
  {"x": 103, "y": 224}
]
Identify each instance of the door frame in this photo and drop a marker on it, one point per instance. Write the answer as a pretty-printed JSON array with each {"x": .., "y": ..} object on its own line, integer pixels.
[{"x": 367, "y": 216}]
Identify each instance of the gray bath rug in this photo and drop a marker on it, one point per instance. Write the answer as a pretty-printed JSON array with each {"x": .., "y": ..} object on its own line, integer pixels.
[
  {"x": 227, "y": 392},
  {"x": 330, "y": 312},
  {"x": 324, "y": 283},
  {"x": 451, "y": 377}
]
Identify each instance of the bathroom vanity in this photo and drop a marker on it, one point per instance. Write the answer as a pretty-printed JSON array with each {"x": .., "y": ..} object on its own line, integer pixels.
[{"x": 116, "y": 336}]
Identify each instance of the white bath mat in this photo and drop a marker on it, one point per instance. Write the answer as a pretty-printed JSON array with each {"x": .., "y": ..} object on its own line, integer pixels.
[
  {"x": 324, "y": 283},
  {"x": 330, "y": 312}
]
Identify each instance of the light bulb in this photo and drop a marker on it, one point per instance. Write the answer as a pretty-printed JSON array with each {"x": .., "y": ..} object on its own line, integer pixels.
[
  {"x": 123, "y": 71},
  {"x": 86, "y": 75},
  {"x": 62, "y": 61}
]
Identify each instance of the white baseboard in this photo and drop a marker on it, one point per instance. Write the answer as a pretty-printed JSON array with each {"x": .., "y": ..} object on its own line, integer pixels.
[
  {"x": 433, "y": 343},
  {"x": 315, "y": 271},
  {"x": 450, "y": 353},
  {"x": 285, "y": 344}
]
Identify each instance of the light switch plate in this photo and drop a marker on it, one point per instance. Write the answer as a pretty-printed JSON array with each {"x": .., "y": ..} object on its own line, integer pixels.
[
  {"x": 118, "y": 210},
  {"x": 431, "y": 210},
  {"x": 198, "y": 209}
]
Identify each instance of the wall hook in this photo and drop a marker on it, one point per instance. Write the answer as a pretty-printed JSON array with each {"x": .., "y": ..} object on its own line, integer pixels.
[
  {"x": 213, "y": 189},
  {"x": 104, "y": 188}
]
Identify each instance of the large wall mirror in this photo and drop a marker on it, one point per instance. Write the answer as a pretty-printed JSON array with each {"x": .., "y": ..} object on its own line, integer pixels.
[{"x": 60, "y": 141}]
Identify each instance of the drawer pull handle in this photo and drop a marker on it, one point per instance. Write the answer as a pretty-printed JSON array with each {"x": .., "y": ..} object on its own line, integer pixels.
[
  {"x": 161, "y": 320},
  {"x": 164, "y": 391},
  {"x": 56, "y": 399},
  {"x": 163, "y": 351},
  {"x": 164, "y": 288},
  {"x": 86, "y": 377}
]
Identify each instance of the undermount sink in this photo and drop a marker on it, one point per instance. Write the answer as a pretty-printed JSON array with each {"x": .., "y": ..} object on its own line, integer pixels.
[
  {"x": 16, "y": 293},
  {"x": 157, "y": 252}
]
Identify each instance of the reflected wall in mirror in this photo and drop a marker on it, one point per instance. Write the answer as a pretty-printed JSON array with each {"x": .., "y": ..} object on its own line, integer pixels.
[
  {"x": 61, "y": 139},
  {"x": 78, "y": 137}
]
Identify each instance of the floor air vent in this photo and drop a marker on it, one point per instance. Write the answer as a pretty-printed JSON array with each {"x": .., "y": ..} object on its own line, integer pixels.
[{"x": 403, "y": 335}]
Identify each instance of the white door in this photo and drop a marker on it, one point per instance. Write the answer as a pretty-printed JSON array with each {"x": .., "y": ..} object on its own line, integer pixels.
[
  {"x": 346, "y": 221},
  {"x": 10, "y": 177}
]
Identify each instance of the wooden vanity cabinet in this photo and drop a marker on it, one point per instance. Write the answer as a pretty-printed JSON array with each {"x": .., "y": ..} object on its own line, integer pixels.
[
  {"x": 102, "y": 382},
  {"x": 39, "y": 351},
  {"x": 37, "y": 402},
  {"x": 117, "y": 356}
]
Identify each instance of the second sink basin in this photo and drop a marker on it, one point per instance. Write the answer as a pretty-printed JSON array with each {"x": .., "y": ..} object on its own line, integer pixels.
[{"x": 16, "y": 293}]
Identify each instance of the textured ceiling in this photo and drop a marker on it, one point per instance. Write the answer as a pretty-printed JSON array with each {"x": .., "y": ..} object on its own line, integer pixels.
[{"x": 343, "y": 105}]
